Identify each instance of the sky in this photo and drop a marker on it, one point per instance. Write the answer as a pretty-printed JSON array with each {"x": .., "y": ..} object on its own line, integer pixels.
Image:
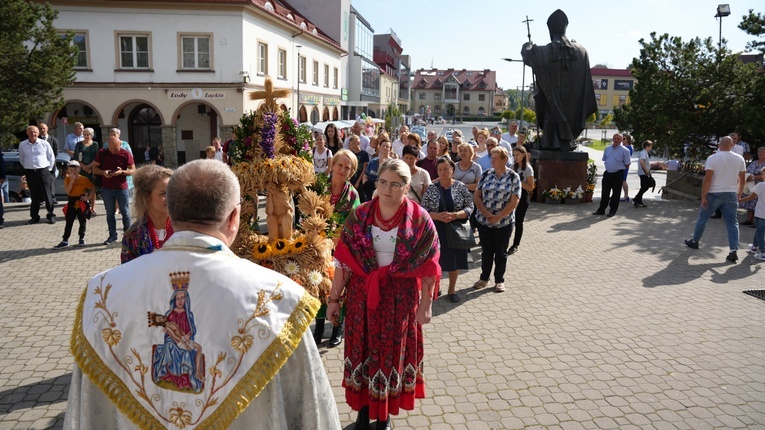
[{"x": 476, "y": 34}]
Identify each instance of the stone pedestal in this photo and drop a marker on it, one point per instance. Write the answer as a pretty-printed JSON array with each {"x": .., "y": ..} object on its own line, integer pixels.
[{"x": 558, "y": 168}]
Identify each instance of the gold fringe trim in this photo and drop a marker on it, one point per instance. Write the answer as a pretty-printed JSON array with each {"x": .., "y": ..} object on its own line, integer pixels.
[
  {"x": 245, "y": 391},
  {"x": 267, "y": 366},
  {"x": 104, "y": 378}
]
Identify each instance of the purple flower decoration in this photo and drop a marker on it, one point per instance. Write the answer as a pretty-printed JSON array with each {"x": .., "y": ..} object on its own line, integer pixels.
[{"x": 268, "y": 134}]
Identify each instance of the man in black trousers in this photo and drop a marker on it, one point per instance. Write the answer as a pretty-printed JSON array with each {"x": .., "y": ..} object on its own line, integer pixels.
[
  {"x": 36, "y": 156},
  {"x": 616, "y": 159},
  {"x": 53, "y": 142}
]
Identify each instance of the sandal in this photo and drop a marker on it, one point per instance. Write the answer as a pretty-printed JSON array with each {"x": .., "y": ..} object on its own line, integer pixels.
[{"x": 480, "y": 284}]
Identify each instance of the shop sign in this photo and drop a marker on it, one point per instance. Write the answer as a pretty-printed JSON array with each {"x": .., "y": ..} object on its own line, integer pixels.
[
  {"x": 331, "y": 101},
  {"x": 310, "y": 99},
  {"x": 195, "y": 94}
]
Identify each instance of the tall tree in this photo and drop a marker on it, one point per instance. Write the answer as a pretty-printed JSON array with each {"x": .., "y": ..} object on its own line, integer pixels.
[
  {"x": 754, "y": 25},
  {"x": 36, "y": 61},
  {"x": 689, "y": 93}
]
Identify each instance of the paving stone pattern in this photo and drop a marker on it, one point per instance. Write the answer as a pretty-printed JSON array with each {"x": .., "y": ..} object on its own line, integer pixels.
[{"x": 606, "y": 323}]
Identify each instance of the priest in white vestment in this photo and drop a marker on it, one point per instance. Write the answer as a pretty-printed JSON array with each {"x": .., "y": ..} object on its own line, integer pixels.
[{"x": 192, "y": 336}]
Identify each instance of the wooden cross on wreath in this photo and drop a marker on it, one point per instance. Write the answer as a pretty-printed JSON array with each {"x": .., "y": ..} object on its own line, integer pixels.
[{"x": 269, "y": 95}]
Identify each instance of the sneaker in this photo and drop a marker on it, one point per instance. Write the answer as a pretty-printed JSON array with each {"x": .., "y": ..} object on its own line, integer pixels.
[
  {"x": 732, "y": 257},
  {"x": 512, "y": 250},
  {"x": 62, "y": 245},
  {"x": 760, "y": 256},
  {"x": 499, "y": 287},
  {"x": 81, "y": 242},
  {"x": 2, "y": 226},
  {"x": 110, "y": 240},
  {"x": 690, "y": 243},
  {"x": 751, "y": 249},
  {"x": 52, "y": 220}
]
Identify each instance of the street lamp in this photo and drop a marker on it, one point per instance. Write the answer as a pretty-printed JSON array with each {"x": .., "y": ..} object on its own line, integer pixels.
[
  {"x": 298, "y": 82},
  {"x": 723, "y": 10},
  {"x": 523, "y": 87}
]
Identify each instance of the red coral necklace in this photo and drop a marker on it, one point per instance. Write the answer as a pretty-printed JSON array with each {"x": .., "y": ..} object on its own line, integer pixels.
[
  {"x": 394, "y": 221},
  {"x": 153, "y": 233}
]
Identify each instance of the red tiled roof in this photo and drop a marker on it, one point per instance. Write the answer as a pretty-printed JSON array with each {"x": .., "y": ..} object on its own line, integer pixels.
[
  {"x": 610, "y": 72},
  {"x": 429, "y": 78}
]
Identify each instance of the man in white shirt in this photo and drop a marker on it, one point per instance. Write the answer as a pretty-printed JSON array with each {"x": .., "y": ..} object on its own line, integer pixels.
[
  {"x": 510, "y": 136},
  {"x": 722, "y": 187},
  {"x": 740, "y": 147},
  {"x": 218, "y": 149},
  {"x": 356, "y": 129},
  {"x": 38, "y": 160},
  {"x": 231, "y": 350},
  {"x": 496, "y": 133},
  {"x": 73, "y": 139}
]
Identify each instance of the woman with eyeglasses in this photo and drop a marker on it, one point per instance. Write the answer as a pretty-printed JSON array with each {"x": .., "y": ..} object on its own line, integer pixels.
[
  {"x": 456, "y": 141},
  {"x": 85, "y": 152},
  {"x": 387, "y": 261},
  {"x": 370, "y": 175},
  {"x": 526, "y": 174},
  {"x": 447, "y": 200},
  {"x": 496, "y": 198}
]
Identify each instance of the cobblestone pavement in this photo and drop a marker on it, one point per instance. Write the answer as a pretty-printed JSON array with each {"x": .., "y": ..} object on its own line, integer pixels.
[{"x": 606, "y": 323}]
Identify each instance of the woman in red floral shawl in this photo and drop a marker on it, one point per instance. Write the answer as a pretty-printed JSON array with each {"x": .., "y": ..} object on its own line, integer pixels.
[{"x": 387, "y": 299}]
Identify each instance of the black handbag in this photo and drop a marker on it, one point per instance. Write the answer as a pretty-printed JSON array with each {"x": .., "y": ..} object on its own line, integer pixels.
[{"x": 459, "y": 234}]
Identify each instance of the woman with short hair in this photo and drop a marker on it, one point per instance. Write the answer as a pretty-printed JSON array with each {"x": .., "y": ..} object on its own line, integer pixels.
[
  {"x": 481, "y": 151},
  {"x": 420, "y": 177},
  {"x": 466, "y": 170},
  {"x": 447, "y": 201},
  {"x": 85, "y": 153},
  {"x": 496, "y": 197},
  {"x": 152, "y": 227}
]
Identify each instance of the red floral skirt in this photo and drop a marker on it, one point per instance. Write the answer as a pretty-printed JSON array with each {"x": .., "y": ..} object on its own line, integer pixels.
[{"x": 383, "y": 349}]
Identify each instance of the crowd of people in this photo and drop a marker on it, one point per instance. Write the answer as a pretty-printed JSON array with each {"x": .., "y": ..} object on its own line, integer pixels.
[{"x": 408, "y": 213}]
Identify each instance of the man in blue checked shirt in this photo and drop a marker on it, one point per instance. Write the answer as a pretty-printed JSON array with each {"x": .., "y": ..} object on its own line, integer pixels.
[{"x": 617, "y": 159}]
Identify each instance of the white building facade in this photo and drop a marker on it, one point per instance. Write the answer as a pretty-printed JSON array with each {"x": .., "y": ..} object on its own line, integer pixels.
[{"x": 177, "y": 74}]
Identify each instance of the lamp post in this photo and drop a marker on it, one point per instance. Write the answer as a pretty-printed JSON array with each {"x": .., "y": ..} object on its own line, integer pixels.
[
  {"x": 723, "y": 10},
  {"x": 298, "y": 82},
  {"x": 523, "y": 87}
]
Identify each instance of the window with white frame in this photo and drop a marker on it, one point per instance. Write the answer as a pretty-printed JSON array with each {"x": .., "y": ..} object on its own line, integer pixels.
[
  {"x": 134, "y": 51},
  {"x": 302, "y": 65},
  {"x": 336, "y": 78},
  {"x": 326, "y": 75},
  {"x": 283, "y": 64},
  {"x": 262, "y": 58},
  {"x": 195, "y": 52},
  {"x": 422, "y": 96},
  {"x": 315, "y": 73}
]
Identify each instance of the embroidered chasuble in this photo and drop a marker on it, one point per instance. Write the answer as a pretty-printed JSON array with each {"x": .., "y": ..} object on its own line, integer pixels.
[{"x": 193, "y": 337}]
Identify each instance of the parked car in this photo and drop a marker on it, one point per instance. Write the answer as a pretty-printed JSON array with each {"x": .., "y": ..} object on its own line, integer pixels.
[
  {"x": 421, "y": 131},
  {"x": 14, "y": 171}
]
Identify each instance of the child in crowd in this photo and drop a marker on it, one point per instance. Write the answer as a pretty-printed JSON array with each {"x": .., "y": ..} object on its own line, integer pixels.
[
  {"x": 210, "y": 151},
  {"x": 78, "y": 188},
  {"x": 758, "y": 244}
]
